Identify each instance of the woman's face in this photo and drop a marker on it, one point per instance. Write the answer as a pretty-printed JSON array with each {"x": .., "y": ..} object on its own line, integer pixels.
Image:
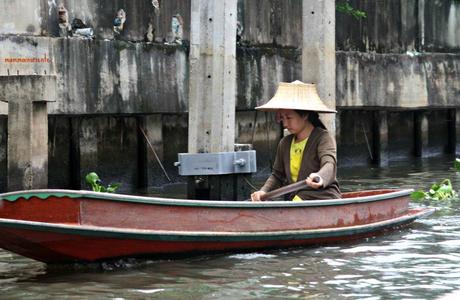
[{"x": 292, "y": 121}]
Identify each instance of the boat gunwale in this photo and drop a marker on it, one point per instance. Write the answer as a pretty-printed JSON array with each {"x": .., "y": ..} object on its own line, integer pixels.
[
  {"x": 211, "y": 236},
  {"x": 75, "y": 194}
]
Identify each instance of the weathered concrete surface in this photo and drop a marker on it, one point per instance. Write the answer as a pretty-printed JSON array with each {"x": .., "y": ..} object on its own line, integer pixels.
[
  {"x": 27, "y": 98},
  {"x": 20, "y": 17},
  {"x": 400, "y": 135},
  {"x": 318, "y": 52},
  {"x": 354, "y": 137},
  {"x": 121, "y": 77},
  {"x": 175, "y": 133},
  {"x": 151, "y": 139},
  {"x": 403, "y": 135},
  {"x": 437, "y": 132},
  {"x": 212, "y": 95},
  {"x": 259, "y": 129},
  {"x": 259, "y": 71},
  {"x": 99, "y": 15},
  {"x": 271, "y": 22},
  {"x": 397, "y": 80},
  {"x": 108, "y": 146},
  {"x": 439, "y": 22},
  {"x": 379, "y": 133},
  {"x": 457, "y": 132},
  {"x": 390, "y": 27},
  {"x": 399, "y": 26},
  {"x": 59, "y": 155},
  {"x": 3, "y": 153},
  {"x": 105, "y": 76}
]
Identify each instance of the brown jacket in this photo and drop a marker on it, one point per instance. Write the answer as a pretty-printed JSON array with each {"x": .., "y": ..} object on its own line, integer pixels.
[{"x": 319, "y": 156}]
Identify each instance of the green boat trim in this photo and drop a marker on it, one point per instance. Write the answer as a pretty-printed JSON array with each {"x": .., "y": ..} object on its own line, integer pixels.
[
  {"x": 41, "y": 194},
  {"x": 208, "y": 236},
  {"x": 45, "y": 194}
]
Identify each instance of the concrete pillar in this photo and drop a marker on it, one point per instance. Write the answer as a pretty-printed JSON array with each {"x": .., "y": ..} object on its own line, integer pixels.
[
  {"x": 212, "y": 94},
  {"x": 451, "y": 131},
  {"x": 142, "y": 152},
  {"x": 150, "y": 135},
  {"x": 420, "y": 134},
  {"x": 380, "y": 138},
  {"x": 27, "y": 97},
  {"x": 318, "y": 52},
  {"x": 212, "y": 90},
  {"x": 88, "y": 149},
  {"x": 75, "y": 170},
  {"x": 457, "y": 131}
]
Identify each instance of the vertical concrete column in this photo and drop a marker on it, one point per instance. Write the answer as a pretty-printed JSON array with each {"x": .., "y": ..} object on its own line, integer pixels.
[
  {"x": 451, "y": 131},
  {"x": 74, "y": 149},
  {"x": 27, "y": 98},
  {"x": 212, "y": 90},
  {"x": 318, "y": 51},
  {"x": 212, "y": 93},
  {"x": 420, "y": 134},
  {"x": 457, "y": 131},
  {"x": 150, "y": 149},
  {"x": 88, "y": 147},
  {"x": 380, "y": 138}
]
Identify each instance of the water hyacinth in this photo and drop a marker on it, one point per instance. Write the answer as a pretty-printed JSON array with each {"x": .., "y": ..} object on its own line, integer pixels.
[{"x": 438, "y": 191}]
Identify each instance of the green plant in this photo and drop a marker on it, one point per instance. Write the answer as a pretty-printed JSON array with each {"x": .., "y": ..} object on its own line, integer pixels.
[
  {"x": 438, "y": 191},
  {"x": 346, "y": 8},
  {"x": 457, "y": 164},
  {"x": 93, "y": 180}
]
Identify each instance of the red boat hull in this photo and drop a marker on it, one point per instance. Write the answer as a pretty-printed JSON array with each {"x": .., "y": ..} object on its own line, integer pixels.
[{"x": 56, "y": 228}]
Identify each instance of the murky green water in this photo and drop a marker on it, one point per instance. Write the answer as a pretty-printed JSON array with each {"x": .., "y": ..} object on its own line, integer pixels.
[{"x": 420, "y": 262}]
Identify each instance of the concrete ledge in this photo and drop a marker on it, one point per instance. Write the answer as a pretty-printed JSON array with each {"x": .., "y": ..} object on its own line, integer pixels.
[
  {"x": 35, "y": 88},
  {"x": 397, "y": 80}
]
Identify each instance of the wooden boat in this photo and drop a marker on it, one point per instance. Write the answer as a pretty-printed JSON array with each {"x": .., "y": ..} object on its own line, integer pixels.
[{"x": 58, "y": 226}]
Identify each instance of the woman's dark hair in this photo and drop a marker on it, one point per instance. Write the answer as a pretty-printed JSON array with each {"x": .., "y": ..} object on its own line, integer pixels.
[{"x": 313, "y": 117}]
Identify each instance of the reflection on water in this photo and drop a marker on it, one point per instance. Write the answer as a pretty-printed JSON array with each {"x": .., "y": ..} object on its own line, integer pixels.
[{"x": 420, "y": 262}]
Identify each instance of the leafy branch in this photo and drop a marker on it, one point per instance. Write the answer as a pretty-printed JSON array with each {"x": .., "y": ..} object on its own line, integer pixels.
[{"x": 346, "y": 8}]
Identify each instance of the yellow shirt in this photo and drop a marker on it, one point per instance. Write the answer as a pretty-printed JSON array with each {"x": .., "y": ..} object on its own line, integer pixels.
[{"x": 296, "y": 154}]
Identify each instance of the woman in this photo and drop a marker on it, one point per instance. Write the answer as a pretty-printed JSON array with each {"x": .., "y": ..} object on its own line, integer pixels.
[{"x": 309, "y": 152}]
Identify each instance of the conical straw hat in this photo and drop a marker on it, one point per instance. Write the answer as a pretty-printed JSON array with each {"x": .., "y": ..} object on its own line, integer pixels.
[{"x": 296, "y": 95}]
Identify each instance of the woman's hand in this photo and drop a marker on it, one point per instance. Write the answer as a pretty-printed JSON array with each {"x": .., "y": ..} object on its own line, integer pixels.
[
  {"x": 314, "y": 181},
  {"x": 255, "y": 197}
]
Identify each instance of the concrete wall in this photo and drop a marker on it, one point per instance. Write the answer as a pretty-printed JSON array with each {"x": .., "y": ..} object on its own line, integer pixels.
[
  {"x": 39, "y": 17},
  {"x": 394, "y": 80},
  {"x": 404, "y": 55},
  {"x": 124, "y": 76},
  {"x": 105, "y": 76},
  {"x": 113, "y": 147},
  {"x": 399, "y": 26},
  {"x": 20, "y": 17}
]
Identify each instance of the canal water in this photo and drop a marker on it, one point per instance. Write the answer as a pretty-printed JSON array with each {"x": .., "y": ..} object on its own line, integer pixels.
[{"x": 419, "y": 262}]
